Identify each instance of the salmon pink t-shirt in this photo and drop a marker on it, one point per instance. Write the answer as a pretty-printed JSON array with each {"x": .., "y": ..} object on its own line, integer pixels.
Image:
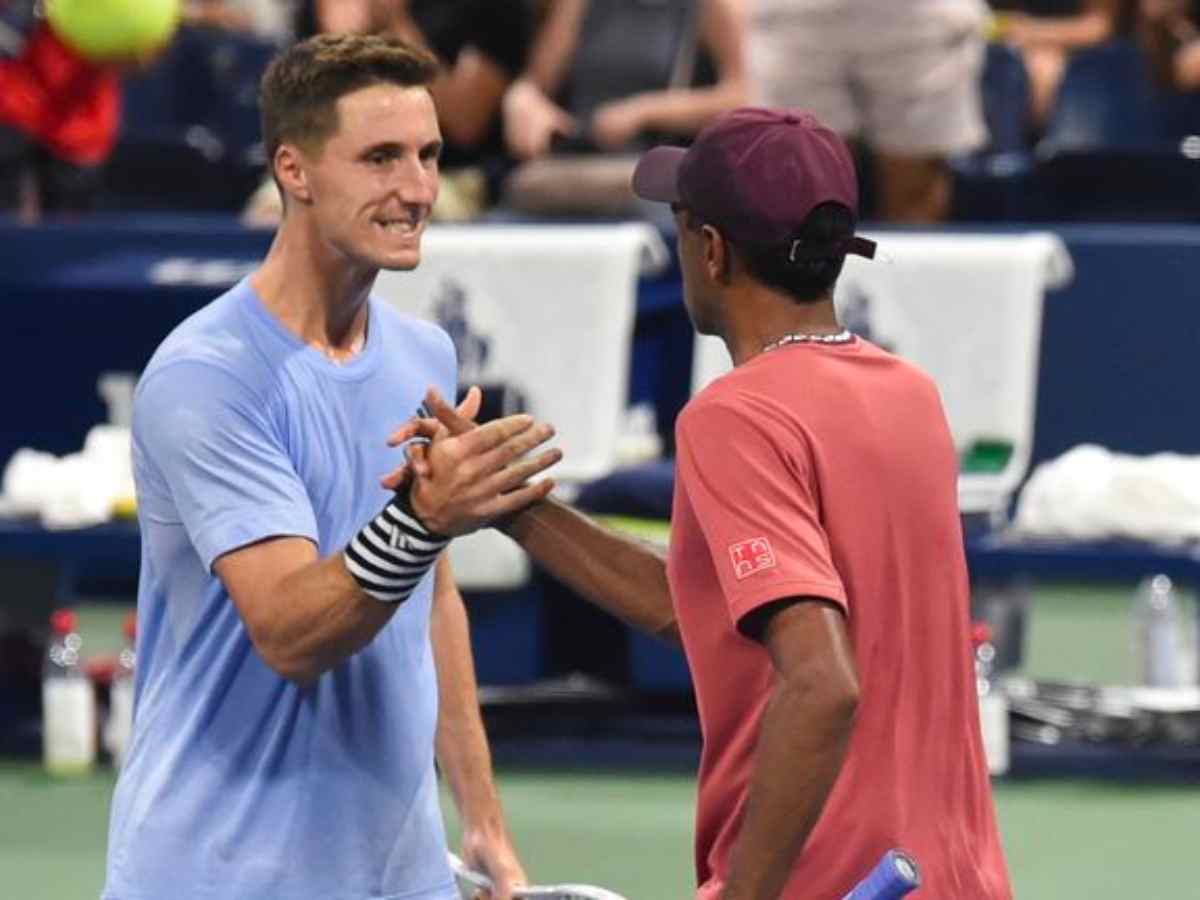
[{"x": 828, "y": 471}]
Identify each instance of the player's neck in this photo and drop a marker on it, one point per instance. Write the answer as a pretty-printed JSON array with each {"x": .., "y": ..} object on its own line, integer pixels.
[
  {"x": 315, "y": 293},
  {"x": 759, "y": 318}
]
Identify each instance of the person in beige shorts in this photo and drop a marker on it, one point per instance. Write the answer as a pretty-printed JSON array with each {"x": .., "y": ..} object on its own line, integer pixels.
[{"x": 901, "y": 75}]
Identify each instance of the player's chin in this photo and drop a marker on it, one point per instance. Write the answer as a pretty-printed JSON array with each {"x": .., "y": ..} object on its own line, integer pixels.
[
  {"x": 400, "y": 260},
  {"x": 396, "y": 249},
  {"x": 396, "y": 255}
]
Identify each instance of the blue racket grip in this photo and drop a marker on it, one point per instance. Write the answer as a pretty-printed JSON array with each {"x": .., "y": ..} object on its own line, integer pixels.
[{"x": 895, "y": 876}]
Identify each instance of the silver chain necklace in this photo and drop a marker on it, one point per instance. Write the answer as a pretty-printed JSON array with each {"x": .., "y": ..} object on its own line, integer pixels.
[{"x": 844, "y": 336}]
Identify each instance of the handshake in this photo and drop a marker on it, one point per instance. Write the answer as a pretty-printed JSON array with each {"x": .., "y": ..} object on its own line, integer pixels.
[{"x": 462, "y": 476}]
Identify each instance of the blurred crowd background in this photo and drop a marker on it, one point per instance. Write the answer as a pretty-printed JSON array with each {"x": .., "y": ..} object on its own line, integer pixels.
[{"x": 961, "y": 112}]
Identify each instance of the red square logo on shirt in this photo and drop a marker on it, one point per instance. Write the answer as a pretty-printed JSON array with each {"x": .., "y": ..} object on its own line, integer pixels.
[{"x": 751, "y": 556}]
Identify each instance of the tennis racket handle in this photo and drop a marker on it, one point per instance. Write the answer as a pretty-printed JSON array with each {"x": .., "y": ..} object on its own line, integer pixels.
[{"x": 894, "y": 876}]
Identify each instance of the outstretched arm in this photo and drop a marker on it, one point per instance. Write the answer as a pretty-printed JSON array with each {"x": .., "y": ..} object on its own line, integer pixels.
[{"x": 623, "y": 576}]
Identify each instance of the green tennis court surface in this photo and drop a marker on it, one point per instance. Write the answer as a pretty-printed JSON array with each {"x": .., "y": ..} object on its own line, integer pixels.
[{"x": 1065, "y": 839}]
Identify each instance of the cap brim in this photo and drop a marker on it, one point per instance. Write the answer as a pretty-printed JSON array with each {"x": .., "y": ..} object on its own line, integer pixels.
[{"x": 656, "y": 176}]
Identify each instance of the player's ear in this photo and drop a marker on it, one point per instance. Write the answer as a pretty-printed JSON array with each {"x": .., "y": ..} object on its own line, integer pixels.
[
  {"x": 291, "y": 173},
  {"x": 717, "y": 259}
]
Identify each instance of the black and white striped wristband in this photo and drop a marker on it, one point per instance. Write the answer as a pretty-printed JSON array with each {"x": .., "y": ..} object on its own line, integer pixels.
[{"x": 391, "y": 554}]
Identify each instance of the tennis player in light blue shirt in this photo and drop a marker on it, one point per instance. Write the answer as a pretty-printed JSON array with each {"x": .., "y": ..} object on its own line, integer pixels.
[{"x": 295, "y": 618}]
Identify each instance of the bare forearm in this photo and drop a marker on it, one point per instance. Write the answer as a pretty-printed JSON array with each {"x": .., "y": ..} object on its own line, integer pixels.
[
  {"x": 1070, "y": 32},
  {"x": 323, "y": 617},
  {"x": 461, "y": 742},
  {"x": 554, "y": 45},
  {"x": 469, "y": 95},
  {"x": 801, "y": 746},
  {"x": 624, "y": 576},
  {"x": 687, "y": 111},
  {"x": 345, "y": 16},
  {"x": 1187, "y": 67}
]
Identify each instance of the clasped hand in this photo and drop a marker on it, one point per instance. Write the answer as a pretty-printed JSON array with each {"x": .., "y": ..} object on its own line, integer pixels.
[{"x": 464, "y": 476}]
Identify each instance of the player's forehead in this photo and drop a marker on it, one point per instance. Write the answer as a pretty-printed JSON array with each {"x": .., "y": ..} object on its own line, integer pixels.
[{"x": 387, "y": 113}]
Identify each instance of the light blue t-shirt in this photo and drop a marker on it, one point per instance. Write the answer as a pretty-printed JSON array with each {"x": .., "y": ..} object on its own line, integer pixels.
[{"x": 240, "y": 785}]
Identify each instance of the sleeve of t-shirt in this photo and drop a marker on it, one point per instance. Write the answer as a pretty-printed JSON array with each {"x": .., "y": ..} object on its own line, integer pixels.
[
  {"x": 209, "y": 440},
  {"x": 751, "y": 487}
]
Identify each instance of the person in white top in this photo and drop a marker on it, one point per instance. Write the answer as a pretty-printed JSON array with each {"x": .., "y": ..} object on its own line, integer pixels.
[{"x": 901, "y": 76}]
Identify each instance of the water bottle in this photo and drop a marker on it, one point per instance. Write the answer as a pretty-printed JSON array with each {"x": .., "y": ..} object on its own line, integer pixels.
[
  {"x": 1164, "y": 636},
  {"x": 68, "y": 702},
  {"x": 993, "y": 702},
  {"x": 120, "y": 708}
]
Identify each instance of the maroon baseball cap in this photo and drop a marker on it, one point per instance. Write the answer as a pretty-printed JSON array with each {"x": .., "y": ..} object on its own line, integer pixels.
[{"x": 755, "y": 174}]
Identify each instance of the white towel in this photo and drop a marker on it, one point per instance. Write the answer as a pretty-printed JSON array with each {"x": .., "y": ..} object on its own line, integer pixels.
[
  {"x": 72, "y": 491},
  {"x": 1090, "y": 493}
]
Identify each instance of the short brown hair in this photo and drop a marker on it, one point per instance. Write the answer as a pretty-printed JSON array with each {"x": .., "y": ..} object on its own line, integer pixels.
[{"x": 297, "y": 99}]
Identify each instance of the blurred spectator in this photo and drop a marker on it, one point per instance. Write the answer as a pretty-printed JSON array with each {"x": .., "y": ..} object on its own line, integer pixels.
[
  {"x": 901, "y": 76},
  {"x": 1046, "y": 41},
  {"x": 270, "y": 20},
  {"x": 58, "y": 118},
  {"x": 617, "y": 70},
  {"x": 340, "y": 16},
  {"x": 1171, "y": 33},
  {"x": 616, "y": 74},
  {"x": 482, "y": 45},
  {"x": 605, "y": 79}
]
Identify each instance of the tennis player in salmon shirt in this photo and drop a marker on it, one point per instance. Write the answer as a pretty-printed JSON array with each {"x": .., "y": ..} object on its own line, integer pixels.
[{"x": 816, "y": 575}]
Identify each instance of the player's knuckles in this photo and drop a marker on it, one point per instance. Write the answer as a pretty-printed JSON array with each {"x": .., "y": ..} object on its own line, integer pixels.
[
  {"x": 523, "y": 443},
  {"x": 509, "y": 480},
  {"x": 514, "y": 448},
  {"x": 539, "y": 463},
  {"x": 470, "y": 472},
  {"x": 525, "y": 470},
  {"x": 522, "y": 497},
  {"x": 452, "y": 469},
  {"x": 492, "y": 437},
  {"x": 450, "y": 450},
  {"x": 537, "y": 437},
  {"x": 547, "y": 458},
  {"x": 500, "y": 457},
  {"x": 513, "y": 425}
]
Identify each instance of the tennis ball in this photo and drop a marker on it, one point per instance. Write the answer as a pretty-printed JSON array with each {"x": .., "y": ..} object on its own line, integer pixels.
[{"x": 109, "y": 30}]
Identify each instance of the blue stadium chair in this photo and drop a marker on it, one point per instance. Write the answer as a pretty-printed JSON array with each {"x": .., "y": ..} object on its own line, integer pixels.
[
  {"x": 1181, "y": 114},
  {"x": 236, "y": 64},
  {"x": 1108, "y": 153},
  {"x": 1005, "y": 90},
  {"x": 989, "y": 183},
  {"x": 1107, "y": 101},
  {"x": 168, "y": 156},
  {"x": 1118, "y": 186},
  {"x": 189, "y": 133}
]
